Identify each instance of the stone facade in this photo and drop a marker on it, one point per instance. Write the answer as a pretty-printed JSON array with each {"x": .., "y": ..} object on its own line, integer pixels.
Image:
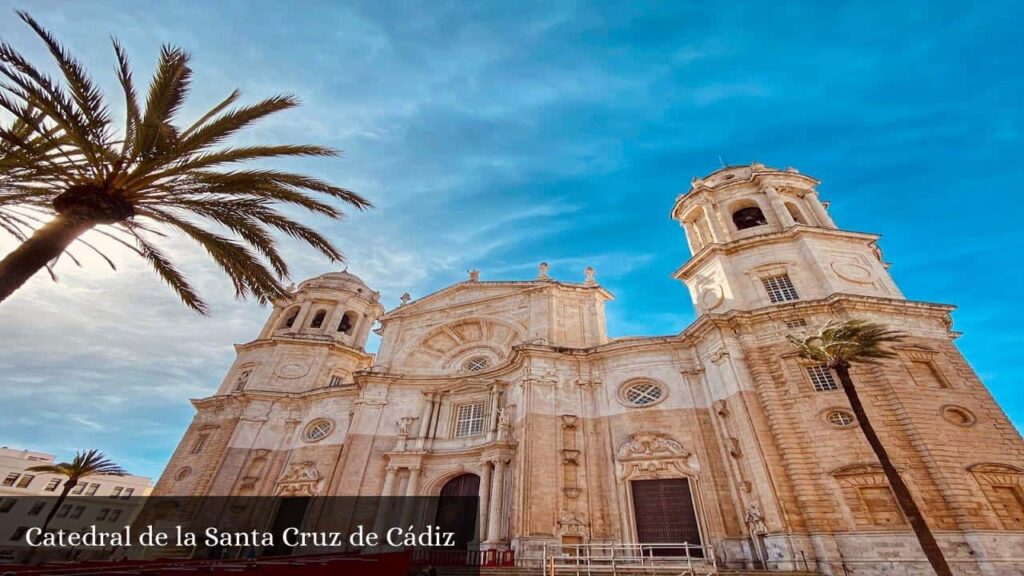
[{"x": 518, "y": 383}]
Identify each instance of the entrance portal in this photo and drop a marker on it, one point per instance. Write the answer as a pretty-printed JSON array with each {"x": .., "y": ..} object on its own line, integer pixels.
[
  {"x": 457, "y": 509},
  {"x": 665, "y": 514},
  {"x": 290, "y": 514}
]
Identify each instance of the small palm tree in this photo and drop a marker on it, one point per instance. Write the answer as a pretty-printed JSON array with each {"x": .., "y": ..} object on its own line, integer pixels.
[
  {"x": 65, "y": 170},
  {"x": 85, "y": 464},
  {"x": 838, "y": 345}
]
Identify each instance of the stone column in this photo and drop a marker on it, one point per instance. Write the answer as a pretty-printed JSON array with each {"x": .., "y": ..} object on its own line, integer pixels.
[
  {"x": 785, "y": 218},
  {"x": 492, "y": 420},
  {"x": 718, "y": 232},
  {"x": 692, "y": 237},
  {"x": 385, "y": 503},
  {"x": 824, "y": 220},
  {"x": 428, "y": 410},
  {"x": 300, "y": 318},
  {"x": 411, "y": 491},
  {"x": 485, "y": 492},
  {"x": 331, "y": 328},
  {"x": 389, "y": 481},
  {"x": 495, "y": 497}
]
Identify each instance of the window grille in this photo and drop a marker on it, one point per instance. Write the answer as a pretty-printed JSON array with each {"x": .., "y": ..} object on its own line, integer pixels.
[
  {"x": 780, "y": 288},
  {"x": 469, "y": 419},
  {"x": 821, "y": 378}
]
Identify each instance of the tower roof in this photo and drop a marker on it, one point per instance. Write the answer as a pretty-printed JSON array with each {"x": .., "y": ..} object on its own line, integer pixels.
[
  {"x": 342, "y": 280},
  {"x": 731, "y": 175}
]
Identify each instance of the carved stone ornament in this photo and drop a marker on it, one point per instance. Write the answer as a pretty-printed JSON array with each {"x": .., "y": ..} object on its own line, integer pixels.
[
  {"x": 300, "y": 479},
  {"x": 293, "y": 367},
  {"x": 646, "y": 445},
  {"x": 853, "y": 272},
  {"x": 652, "y": 455},
  {"x": 571, "y": 522},
  {"x": 711, "y": 296}
]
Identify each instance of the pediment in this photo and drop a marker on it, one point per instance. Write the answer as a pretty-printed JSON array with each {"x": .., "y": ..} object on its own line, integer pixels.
[{"x": 462, "y": 294}]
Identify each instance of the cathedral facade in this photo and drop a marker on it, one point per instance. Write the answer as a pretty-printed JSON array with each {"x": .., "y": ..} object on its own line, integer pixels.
[{"x": 720, "y": 435}]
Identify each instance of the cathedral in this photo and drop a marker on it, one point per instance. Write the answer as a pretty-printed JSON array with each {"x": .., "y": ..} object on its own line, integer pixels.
[{"x": 720, "y": 436}]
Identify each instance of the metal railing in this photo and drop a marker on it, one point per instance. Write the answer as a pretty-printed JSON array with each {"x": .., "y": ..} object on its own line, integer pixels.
[
  {"x": 611, "y": 558},
  {"x": 481, "y": 558}
]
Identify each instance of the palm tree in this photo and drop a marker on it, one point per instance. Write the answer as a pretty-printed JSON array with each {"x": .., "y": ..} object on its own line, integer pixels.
[
  {"x": 838, "y": 345},
  {"x": 85, "y": 464},
  {"x": 65, "y": 170}
]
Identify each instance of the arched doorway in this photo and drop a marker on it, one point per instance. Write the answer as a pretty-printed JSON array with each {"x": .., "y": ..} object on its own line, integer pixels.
[{"x": 458, "y": 507}]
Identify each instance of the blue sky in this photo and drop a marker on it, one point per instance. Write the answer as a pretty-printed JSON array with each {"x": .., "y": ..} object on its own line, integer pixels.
[{"x": 497, "y": 135}]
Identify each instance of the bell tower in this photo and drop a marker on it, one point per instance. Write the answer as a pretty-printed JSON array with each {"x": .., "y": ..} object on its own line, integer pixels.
[
  {"x": 759, "y": 236},
  {"x": 314, "y": 339}
]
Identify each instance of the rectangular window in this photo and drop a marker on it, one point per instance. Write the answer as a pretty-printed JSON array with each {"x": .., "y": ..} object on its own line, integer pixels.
[
  {"x": 798, "y": 323},
  {"x": 11, "y": 478},
  {"x": 103, "y": 514},
  {"x": 25, "y": 480},
  {"x": 336, "y": 381},
  {"x": 116, "y": 492},
  {"x": 78, "y": 489},
  {"x": 469, "y": 419},
  {"x": 925, "y": 374},
  {"x": 78, "y": 512},
  {"x": 6, "y": 504},
  {"x": 18, "y": 532},
  {"x": 37, "y": 507},
  {"x": 52, "y": 485},
  {"x": 91, "y": 490},
  {"x": 1009, "y": 506},
  {"x": 64, "y": 511},
  {"x": 200, "y": 443},
  {"x": 780, "y": 288},
  {"x": 881, "y": 506},
  {"x": 821, "y": 377},
  {"x": 128, "y": 493},
  {"x": 114, "y": 515}
]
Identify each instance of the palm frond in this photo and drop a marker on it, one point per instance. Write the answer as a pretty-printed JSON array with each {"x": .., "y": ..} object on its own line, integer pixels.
[
  {"x": 88, "y": 463},
  {"x": 852, "y": 341},
  {"x": 155, "y": 175}
]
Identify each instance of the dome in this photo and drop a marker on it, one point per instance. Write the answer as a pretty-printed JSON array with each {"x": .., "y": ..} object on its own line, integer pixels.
[{"x": 343, "y": 280}]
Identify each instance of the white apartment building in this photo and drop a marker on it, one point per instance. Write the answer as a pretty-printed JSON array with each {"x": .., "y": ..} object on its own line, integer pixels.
[{"x": 95, "y": 500}]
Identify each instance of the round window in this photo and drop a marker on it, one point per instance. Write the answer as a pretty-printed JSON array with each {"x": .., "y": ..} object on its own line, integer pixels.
[
  {"x": 476, "y": 364},
  {"x": 959, "y": 416},
  {"x": 318, "y": 430},
  {"x": 183, "y": 473},
  {"x": 642, "y": 393},
  {"x": 840, "y": 418}
]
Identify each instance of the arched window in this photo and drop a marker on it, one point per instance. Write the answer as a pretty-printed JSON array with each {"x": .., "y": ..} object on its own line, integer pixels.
[
  {"x": 318, "y": 319},
  {"x": 795, "y": 212},
  {"x": 348, "y": 322},
  {"x": 748, "y": 217},
  {"x": 289, "y": 317}
]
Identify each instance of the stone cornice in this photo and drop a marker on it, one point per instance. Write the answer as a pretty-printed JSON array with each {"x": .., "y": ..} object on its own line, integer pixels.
[
  {"x": 421, "y": 305},
  {"x": 300, "y": 340},
  {"x": 765, "y": 239},
  {"x": 757, "y": 173},
  {"x": 688, "y": 337}
]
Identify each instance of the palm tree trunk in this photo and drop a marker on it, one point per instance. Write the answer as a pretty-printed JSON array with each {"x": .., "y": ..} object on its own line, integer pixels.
[
  {"x": 43, "y": 246},
  {"x": 899, "y": 488},
  {"x": 68, "y": 485}
]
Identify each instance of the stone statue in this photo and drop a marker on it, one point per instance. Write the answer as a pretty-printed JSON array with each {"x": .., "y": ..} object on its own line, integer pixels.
[
  {"x": 405, "y": 298},
  {"x": 474, "y": 275},
  {"x": 542, "y": 271},
  {"x": 589, "y": 279},
  {"x": 755, "y": 519},
  {"x": 404, "y": 423}
]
